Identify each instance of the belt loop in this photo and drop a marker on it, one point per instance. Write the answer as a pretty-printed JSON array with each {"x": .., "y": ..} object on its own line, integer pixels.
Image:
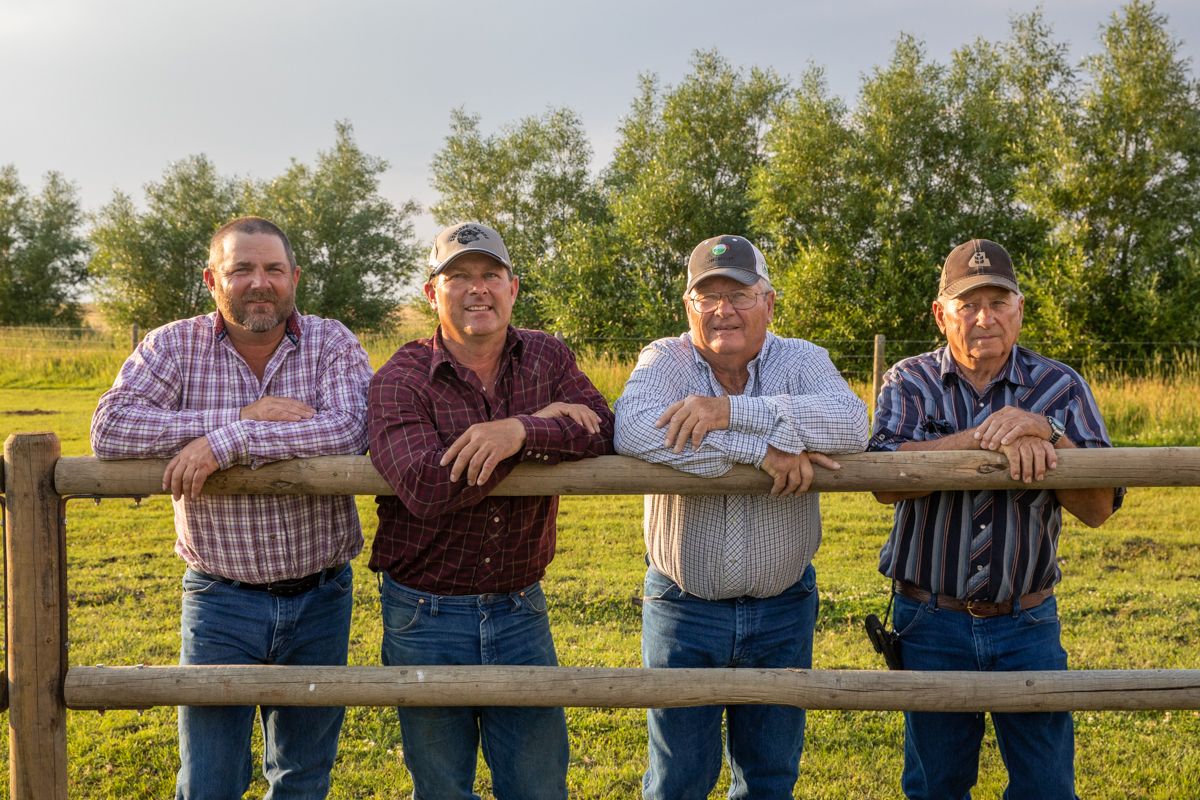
[
  {"x": 321, "y": 580},
  {"x": 433, "y": 606},
  {"x": 933, "y": 601},
  {"x": 1016, "y": 606},
  {"x": 379, "y": 581}
]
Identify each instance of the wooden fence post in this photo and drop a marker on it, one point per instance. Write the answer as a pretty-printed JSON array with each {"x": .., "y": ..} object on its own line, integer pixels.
[
  {"x": 879, "y": 368},
  {"x": 133, "y": 337},
  {"x": 37, "y": 619}
]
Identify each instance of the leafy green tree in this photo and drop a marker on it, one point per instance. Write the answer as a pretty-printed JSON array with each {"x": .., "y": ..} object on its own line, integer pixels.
[
  {"x": 860, "y": 208},
  {"x": 530, "y": 182},
  {"x": 149, "y": 265},
  {"x": 681, "y": 173},
  {"x": 43, "y": 254},
  {"x": 355, "y": 248},
  {"x": 1118, "y": 185}
]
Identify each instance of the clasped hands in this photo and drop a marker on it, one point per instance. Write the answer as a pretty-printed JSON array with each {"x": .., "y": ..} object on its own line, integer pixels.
[
  {"x": 694, "y": 416},
  {"x": 186, "y": 472},
  {"x": 485, "y": 444},
  {"x": 1024, "y": 437}
]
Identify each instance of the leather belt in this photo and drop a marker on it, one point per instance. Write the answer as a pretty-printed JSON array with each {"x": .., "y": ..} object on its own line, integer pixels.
[
  {"x": 976, "y": 608},
  {"x": 289, "y": 588}
]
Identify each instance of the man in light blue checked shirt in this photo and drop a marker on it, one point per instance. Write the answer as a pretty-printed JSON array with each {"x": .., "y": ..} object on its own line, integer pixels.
[{"x": 730, "y": 581}]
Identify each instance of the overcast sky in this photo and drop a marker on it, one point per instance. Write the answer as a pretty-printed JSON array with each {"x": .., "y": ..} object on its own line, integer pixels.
[{"x": 109, "y": 92}]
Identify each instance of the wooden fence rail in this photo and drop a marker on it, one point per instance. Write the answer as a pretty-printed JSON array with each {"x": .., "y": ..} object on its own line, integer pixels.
[
  {"x": 1079, "y": 690},
  {"x": 1077, "y": 469},
  {"x": 41, "y": 688}
]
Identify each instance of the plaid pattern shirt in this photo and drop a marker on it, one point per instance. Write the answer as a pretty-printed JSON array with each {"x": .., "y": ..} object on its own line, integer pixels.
[
  {"x": 446, "y": 537},
  {"x": 723, "y": 546},
  {"x": 186, "y": 380},
  {"x": 986, "y": 545}
]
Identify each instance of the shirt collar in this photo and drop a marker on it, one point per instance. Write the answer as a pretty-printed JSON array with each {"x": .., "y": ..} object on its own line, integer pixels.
[
  {"x": 514, "y": 346},
  {"x": 753, "y": 366},
  {"x": 1015, "y": 370},
  {"x": 291, "y": 330}
]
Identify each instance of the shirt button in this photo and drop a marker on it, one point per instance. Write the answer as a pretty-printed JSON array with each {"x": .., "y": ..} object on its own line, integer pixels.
[
  {"x": 982, "y": 527},
  {"x": 979, "y": 568},
  {"x": 488, "y": 561},
  {"x": 528, "y": 452},
  {"x": 494, "y": 519}
]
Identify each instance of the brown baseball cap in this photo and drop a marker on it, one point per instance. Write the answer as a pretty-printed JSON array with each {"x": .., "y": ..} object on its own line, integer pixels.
[
  {"x": 726, "y": 256},
  {"x": 976, "y": 263},
  {"x": 463, "y": 238}
]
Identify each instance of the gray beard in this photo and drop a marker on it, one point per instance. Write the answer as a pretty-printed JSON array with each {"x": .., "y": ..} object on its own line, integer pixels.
[{"x": 235, "y": 311}]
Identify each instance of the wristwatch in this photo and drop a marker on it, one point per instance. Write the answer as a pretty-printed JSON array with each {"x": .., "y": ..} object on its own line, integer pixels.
[{"x": 1057, "y": 429}]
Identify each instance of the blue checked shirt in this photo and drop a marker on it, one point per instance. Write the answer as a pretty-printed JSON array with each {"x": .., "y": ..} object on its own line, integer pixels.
[
  {"x": 724, "y": 546},
  {"x": 986, "y": 545}
]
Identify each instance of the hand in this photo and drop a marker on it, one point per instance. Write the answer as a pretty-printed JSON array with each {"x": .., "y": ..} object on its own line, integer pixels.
[
  {"x": 1029, "y": 457},
  {"x": 186, "y": 472},
  {"x": 580, "y": 413},
  {"x": 278, "y": 409},
  {"x": 793, "y": 472},
  {"x": 482, "y": 447},
  {"x": 1009, "y": 424},
  {"x": 694, "y": 416}
]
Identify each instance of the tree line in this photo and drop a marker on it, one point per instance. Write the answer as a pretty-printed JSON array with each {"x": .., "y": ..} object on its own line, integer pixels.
[{"x": 1088, "y": 173}]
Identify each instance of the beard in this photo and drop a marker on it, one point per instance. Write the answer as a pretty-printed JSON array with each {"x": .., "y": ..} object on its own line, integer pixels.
[{"x": 258, "y": 320}]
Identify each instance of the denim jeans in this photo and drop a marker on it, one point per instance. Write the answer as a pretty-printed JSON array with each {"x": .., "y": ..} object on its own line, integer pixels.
[
  {"x": 226, "y": 625},
  {"x": 763, "y": 743},
  {"x": 526, "y": 749},
  {"x": 941, "y": 750}
]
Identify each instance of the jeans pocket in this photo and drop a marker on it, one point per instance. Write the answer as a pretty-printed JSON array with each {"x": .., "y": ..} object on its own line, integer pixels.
[
  {"x": 660, "y": 587},
  {"x": 1045, "y": 614},
  {"x": 535, "y": 599},
  {"x": 194, "y": 585},
  {"x": 400, "y": 616},
  {"x": 343, "y": 582},
  {"x": 904, "y": 626}
]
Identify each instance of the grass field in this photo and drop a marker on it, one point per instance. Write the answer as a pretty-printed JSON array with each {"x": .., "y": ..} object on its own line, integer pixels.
[{"x": 1130, "y": 599}]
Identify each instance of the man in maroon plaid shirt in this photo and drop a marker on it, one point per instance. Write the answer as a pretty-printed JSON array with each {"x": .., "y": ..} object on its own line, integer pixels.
[{"x": 450, "y": 417}]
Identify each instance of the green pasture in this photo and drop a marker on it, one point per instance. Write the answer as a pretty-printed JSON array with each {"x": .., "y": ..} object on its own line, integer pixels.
[{"x": 1129, "y": 600}]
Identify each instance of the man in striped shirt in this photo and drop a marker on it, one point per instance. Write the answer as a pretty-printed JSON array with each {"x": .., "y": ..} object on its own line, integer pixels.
[
  {"x": 974, "y": 572},
  {"x": 730, "y": 581},
  {"x": 268, "y": 578}
]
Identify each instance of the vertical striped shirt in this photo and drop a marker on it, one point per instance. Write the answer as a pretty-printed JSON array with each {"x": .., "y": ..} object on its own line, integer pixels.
[
  {"x": 979, "y": 545},
  {"x": 186, "y": 380},
  {"x": 724, "y": 546}
]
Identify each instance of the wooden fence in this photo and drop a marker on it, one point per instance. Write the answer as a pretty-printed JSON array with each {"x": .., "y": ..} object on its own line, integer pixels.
[{"x": 41, "y": 686}]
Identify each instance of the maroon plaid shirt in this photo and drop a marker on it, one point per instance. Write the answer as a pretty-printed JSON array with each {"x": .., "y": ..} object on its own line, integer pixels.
[{"x": 446, "y": 537}]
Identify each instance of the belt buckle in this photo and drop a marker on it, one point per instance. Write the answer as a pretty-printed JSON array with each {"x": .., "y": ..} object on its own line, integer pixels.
[{"x": 973, "y": 605}]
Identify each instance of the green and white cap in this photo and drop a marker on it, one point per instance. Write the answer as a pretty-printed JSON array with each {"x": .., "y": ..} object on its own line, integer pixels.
[
  {"x": 463, "y": 238},
  {"x": 729, "y": 257}
]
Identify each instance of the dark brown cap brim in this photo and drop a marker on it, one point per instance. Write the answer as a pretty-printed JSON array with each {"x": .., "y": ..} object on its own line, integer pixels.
[{"x": 974, "y": 282}]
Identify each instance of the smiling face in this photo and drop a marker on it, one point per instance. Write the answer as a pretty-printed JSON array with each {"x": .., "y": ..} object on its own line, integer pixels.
[
  {"x": 981, "y": 325},
  {"x": 473, "y": 297},
  {"x": 254, "y": 285},
  {"x": 726, "y": 332}
]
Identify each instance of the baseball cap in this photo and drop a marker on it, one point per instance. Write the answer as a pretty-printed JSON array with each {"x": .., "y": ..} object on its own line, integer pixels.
[
  {"x": 729, "y": 257},
  {"x": 976, "y": 263},
  {"x": 466, "y": 237}
]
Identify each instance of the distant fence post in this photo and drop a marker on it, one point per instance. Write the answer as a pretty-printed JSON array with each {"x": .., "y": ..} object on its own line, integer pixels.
[
  {"x": 133, "y": 337},
  {"x": 559, "y": 335},
  {"x": 880, "y": 366},
  {"x": 37, "y": 619}
]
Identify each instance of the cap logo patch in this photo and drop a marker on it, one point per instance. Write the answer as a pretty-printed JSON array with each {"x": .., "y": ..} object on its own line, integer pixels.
[
  {"x": 980, "y": 260},
  {"x": 468, "y": 233},
  {"x": 719, "y": 249}
]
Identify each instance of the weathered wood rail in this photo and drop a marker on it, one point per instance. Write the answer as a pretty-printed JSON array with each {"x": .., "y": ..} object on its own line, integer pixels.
[
  {"x": 41, "y": 688},
  {"x": 1150, "y": 466}
]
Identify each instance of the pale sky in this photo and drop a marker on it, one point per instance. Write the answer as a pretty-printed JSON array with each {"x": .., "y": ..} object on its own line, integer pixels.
[{"x": 109, "y": 92}]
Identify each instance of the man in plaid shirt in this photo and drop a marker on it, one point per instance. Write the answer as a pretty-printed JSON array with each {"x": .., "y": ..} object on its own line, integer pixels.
[
  {"x": 268, "y": 578},
  {"x": 450, "y": 417},
  {"x": 730, "y": 583}
]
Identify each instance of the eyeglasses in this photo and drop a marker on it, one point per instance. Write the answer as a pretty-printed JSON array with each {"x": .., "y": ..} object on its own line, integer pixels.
[{"x": 741, "y": 299}]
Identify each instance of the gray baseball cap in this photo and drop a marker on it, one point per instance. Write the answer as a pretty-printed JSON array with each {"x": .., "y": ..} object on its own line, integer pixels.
[
  {"x": 726, "y": 256},
  {"x": 466, "y": 237}
]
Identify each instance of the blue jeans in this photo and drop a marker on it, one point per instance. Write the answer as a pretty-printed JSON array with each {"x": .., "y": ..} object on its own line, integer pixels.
[
  {"x": 941, "y": 750},
  {"x": 226, "y": 625},
  {"x": 763, "y": 743},
  {"x": 526, "y": 749}
]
